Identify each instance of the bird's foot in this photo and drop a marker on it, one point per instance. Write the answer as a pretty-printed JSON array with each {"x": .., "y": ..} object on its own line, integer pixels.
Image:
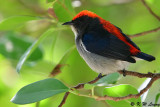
[
  {"x": 124, "y": 73},
  {"x": 100, "y": 75}
]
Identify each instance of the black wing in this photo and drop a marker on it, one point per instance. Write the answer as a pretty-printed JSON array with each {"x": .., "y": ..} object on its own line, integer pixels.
[
  {"x": 108, "y": 46},
  {"x": 128, "y": 39}
]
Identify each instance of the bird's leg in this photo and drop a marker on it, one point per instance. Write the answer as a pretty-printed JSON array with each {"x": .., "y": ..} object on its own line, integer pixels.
[
  {"x": 100, "y": 75},
  {"x": 124, "y": 73}
]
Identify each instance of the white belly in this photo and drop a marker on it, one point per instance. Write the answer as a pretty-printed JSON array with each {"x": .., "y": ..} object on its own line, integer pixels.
[{"x": 99, "y": 63}]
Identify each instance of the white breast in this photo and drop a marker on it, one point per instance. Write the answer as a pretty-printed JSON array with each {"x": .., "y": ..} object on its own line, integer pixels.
[{"x": 99, "y": 63}]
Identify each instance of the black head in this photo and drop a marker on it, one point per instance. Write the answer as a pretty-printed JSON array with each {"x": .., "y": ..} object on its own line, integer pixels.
[
  {"x": 83, "y": 24},
  {"x": 84, "y": 21}
]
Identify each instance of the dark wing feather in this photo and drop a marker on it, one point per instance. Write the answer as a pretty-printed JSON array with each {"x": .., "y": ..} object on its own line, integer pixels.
[
  {"x": 108, "y": 46},
  {"x": 128, "y": 39}
]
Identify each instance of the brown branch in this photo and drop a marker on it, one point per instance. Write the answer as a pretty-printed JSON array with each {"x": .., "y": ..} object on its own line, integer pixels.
[
  {"x": 153, "y": 77},
  {"x": 52, "y": 13},
  {"x": 140, "y": 75},
  {"x": 150, "y": 31},
  {"x": 79, "y": 86},
  {"x": 144, "y": 33},
  {"x": 64, "y": 99},
  {"x": 137, "y": 74},
  {"x": 150, "y": 10},
  {"x": 56, "y": 70}
]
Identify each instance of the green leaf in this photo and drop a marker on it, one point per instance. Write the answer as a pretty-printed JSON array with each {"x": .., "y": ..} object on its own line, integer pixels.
[
  {"x": 38, "y": 91},
  {"x": 109, "y": 79},
  {"x": 89, "y": 86},
  {"x": 120, "y": 91},
  {"x": 32, "y": 48},
  {"x": 157, "y": 98},
  {"x": 64, "y": 10},
  {"x": 12, "y": 23},
  {"x": 13, "y": 46}
]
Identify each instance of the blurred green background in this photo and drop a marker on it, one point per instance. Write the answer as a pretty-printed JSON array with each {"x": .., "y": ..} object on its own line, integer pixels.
[{"x": 17, "y": 35}]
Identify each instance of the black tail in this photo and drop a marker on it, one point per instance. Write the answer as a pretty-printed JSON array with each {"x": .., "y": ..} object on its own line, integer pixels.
[{"x": 145, "y": 56}]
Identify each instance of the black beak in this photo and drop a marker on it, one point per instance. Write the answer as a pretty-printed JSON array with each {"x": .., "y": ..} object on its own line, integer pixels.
[{"x": 68, "y": 23}]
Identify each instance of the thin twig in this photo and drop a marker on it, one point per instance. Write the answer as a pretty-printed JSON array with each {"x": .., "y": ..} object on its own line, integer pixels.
[
  {"x": 79, "y": 86},
  {"x": 150, "y": 31},
  {"x": 129, "y": 73},
  {"x": 150, "y": 10},
  {"x": 56, "y": 70},
  {"x": 64, "y": 99},
  {"x": 137, "y": 74},
  {"x": 52, "y": 13},
  {"x": 144, "y": 33}
]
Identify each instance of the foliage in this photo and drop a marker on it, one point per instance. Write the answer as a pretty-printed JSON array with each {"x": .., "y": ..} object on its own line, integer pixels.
[
  {"x": 33, "y": 42},
  {"x": 38, "y": 91}
]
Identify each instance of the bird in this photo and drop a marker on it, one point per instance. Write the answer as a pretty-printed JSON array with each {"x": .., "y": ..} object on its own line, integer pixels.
[{"x": 102, "y": 45}]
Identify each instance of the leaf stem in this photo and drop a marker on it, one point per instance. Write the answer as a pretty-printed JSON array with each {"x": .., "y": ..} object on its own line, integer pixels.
[
  {"x": 38, "y": 104},
  {"x": 83, "y": 95},
  {"x": 92, "y": 91}
]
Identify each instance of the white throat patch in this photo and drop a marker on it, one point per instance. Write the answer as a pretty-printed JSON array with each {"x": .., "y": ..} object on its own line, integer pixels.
[{"x": 74, "y": 30}]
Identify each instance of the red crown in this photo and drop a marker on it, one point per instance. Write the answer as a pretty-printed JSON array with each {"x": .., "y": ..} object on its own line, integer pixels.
[{"x": 85, "y": 13}]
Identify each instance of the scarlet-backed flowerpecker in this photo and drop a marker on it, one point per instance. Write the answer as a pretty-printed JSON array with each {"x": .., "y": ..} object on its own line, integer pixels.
[{"x": 103, "y": 46}]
